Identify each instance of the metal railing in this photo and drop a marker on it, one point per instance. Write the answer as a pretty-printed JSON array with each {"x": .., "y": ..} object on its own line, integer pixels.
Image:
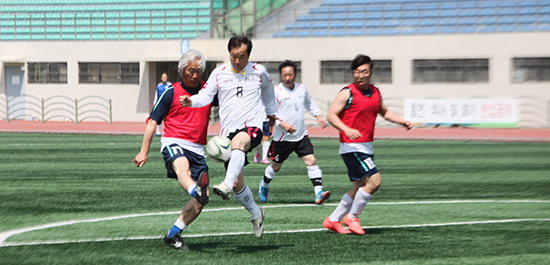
[{"x": 29, "y": 107}]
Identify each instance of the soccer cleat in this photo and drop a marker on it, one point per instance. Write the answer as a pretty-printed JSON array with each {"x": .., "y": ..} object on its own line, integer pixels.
[
  {"x": 257, "y": 158},
  {"x": 175, "y": 241},
  {"x": 322, "y": 196},
  {"x": 259, "y": 224},
  {"x": 266, "y": 161},
  {"x": 354, "y": 225},
  {"x": 262, "y": 192},
  {"x": 222, "y": 190},
  {"x": 335, "y": 226},
  {"x": 202, "y": 188}
]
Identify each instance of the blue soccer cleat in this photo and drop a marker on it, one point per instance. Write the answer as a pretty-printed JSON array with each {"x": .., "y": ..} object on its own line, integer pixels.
[
  {"x": 263, "y": 192},
  {"x": 322, "y": 196}
]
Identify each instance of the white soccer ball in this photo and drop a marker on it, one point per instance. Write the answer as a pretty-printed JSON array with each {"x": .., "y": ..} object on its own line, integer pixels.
[{"x": 218, "y": 148}]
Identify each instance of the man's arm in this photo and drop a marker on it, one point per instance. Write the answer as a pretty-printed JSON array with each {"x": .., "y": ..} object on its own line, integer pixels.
[
  {"x": 141, "y": 158},
  {"x": 205, "y": 95},
  {"x": 392, "y": 117},
  {"x": 332, "y": 116},
  {"x": 311, "y": 107}
]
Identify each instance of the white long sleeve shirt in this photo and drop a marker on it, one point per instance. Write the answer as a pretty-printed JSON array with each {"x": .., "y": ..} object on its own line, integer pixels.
[
  {"x": 292, "y": 106},
  {"x": 241, "y": 96}
]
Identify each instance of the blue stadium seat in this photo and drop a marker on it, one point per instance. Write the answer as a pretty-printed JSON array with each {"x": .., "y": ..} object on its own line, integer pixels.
[
  {"x": 355, "y": 24},
  {"x": 409, "y": 30},
  {"x": 486, "y": 28},
  {"x": 319, "y": 33},
  {"x": 373, "y": 24},
  {"x": 427, "y": 30},
  {"x": 354, "y": 32},
  {"x": 303, "y": 34},
  {"x": 526, "y": 28},
  {"x": 337, "y": 33},
  {"x": 487, "y": 21},
  {"x": 337, "y": 24},
  {"x": 526, "y": 20},
  {"x": 286, "y": 34},
  {"x": 466, "y": 29},
  {"x": 506, "y": 20},
  {"x": 373, "y": 32},
  {"x": 304, "y": 18},
  {"x": 446, "y": 30}
]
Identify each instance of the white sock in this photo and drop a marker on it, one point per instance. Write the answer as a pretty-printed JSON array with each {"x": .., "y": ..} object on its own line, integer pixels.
[
  {"x": 246, "y": 199},
  {"x": 236, "y": 164},
  {"x": 265, "y": 145},
  {"x": 315, "y": 175},
  {"x": 343, "y": 208},
  {"x": 359, "y": 202},
  {"x": 268, "y": 174},
  {"x": 191, "y": 188},
  {"x": 180, "y": 224}
]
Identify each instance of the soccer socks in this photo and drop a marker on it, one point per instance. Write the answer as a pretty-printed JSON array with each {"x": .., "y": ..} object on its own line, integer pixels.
[
  {"x": 316, "y": 176},
  {"x": 235, "y": 166},
  {"x": 177, "y": 228},
  {"x": 265, "y": 147},
  {"x": 342, "y": 209},
  {"x": 269, "y": 174},
  {"x": 359, "y": 202},
  {"x": 246, "y": 199},
  {"x": 192, "y": 191}
]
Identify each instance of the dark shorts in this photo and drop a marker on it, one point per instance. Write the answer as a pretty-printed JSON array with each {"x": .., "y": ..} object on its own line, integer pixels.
[
  {"x": 266, "y": 130},
  {"x": 359, "y": 165},
  {"x": 255, "y": 135},
  {"x": 197, "y": 163},
  {"x": 279, "y": 151}
]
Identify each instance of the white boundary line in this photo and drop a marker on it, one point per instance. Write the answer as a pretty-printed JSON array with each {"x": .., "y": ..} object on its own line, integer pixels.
[{"x": 5, "y": 235}]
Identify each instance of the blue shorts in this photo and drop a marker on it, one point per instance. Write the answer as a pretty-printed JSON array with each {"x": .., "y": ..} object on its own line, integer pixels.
[
  {"x": 266, "y": 129},
  {"x": 359, "y": 165},
  {"x": 197, "y": 163}
]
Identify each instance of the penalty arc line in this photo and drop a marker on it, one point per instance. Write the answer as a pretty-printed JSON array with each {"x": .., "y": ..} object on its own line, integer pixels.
[{"x": 5, "y": 235}]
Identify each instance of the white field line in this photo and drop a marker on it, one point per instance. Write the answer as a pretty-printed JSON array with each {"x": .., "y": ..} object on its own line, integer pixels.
[{"x": 5, "y": 235}]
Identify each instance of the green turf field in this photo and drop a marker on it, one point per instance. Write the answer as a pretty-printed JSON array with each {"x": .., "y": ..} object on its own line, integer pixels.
[{"x": 79, "y": 199}]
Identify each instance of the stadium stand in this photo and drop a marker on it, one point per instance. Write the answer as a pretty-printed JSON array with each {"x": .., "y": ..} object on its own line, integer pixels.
[
  {"x": 393, "y": 17},
  {"x": 103, "y": 19}
]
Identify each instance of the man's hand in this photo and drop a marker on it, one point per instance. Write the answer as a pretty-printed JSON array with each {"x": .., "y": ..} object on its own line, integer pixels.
[
  {"x": 140, "y": 159},
  {"x": 287, "y": 127},
  {"x": 321, "y": 121},
  {"x": 408, "y": 125},
  {"x": 272, "y": 119},
  {"x": 185, "y": 101},
  {"x": 353, "y": 134}
]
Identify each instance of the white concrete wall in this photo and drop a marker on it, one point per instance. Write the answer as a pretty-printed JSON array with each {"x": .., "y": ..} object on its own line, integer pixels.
[{"x": 133, "y": 102}]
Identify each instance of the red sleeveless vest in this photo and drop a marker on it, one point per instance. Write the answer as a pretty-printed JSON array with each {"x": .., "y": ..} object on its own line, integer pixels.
[
  {"x": 186, "y": 123},
  {"x": 360, "y": 114}
]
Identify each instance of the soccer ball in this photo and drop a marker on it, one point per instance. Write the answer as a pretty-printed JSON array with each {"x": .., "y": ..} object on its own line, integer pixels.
[{"x": 218, "y": 148}]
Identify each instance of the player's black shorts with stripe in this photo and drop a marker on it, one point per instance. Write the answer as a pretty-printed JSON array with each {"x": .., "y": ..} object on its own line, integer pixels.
[
  {"x": 197, "y": 163},
  {"x": 255, "y": 135},
  {"x": 279, "y": 151}
]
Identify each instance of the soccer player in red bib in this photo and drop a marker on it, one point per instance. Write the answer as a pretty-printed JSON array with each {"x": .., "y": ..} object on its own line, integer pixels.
[
  {"x": 354, "y": 113},
  {"x": 184, "y": 136}
]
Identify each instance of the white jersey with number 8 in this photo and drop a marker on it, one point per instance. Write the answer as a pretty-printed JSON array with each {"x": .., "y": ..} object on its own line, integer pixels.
[{"x": 240, "y": 96}]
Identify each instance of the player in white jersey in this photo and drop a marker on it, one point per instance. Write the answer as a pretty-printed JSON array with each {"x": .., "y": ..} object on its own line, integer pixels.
[
  {"x": 243, "y": 88},
  {"x": 290, "y": 135}
]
